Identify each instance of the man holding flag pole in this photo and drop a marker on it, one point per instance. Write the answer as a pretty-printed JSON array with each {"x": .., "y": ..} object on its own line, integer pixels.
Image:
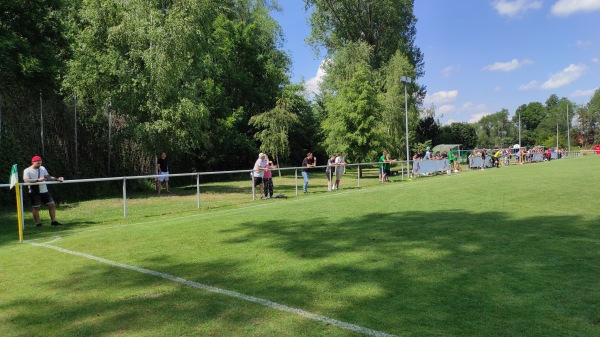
[{"x": 39, "y": 193}]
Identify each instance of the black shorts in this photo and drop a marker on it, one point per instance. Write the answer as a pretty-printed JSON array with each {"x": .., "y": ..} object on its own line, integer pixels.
[
  {"x": 36, "y": 199},
  {"x": 257, "y": 181}
]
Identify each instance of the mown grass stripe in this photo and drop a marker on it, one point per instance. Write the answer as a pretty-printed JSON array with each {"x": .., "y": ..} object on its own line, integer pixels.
[{"x": 197, "y": 285}]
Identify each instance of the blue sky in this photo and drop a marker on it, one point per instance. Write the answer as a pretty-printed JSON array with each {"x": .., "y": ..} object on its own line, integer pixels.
[{"x": 483, "y": 56}]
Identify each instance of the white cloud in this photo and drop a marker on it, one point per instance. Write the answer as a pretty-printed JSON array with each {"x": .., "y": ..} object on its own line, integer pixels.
[
  {"x": 482, "y": 108},
  {"x": 529, "y": 86},
  {"x": 446, "y": 108},
  {"x": 478, "y": 116},
  {"x": 583, "y": 93},
  {"x": 312, "y": 85},
  {"x": 442, "y": 97},
  {"x": 498, "y": 88},
  {"x": 565, "y": 77},
  {"x": 583, "y": 44},
  {"x": 596, "y": 60},
  {"x": 451, "y": 121},
  {"x": 568, "y": 7},
  {"x": 449, "y": 70},
  {"x": 507, "y": 66},
  {"x": 467, "y": 106},
  {"x": 516, "y": 7}
]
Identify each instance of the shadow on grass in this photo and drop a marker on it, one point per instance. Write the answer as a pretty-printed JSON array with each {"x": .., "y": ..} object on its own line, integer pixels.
[
  {"x": 449, "y": 273},
  {"x": 407, "y": 273}
]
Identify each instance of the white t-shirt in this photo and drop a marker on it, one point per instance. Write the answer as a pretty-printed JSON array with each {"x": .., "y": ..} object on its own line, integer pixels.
[
  {"x": 339, "y": 160},
  {"x": 31, "y": 173},
  {"x": 262, "y": 164}
]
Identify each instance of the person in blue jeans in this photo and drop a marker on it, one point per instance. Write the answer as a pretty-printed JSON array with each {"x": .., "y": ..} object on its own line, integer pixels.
[{"x": 308, "y": 162}]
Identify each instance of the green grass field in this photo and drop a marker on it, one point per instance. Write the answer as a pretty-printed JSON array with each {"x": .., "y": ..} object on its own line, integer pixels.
[{"x": 502, "y": 252}]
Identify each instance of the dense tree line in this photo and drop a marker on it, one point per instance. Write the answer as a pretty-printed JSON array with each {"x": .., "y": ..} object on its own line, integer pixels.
[
  {"x": 99, "y": 87},
  {"x": 116, "y": 82},
  {"x": 545, "y": 124}
]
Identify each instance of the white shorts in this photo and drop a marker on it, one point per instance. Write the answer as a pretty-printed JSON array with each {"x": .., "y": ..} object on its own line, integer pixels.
[
  {"x": 164, "y": 176},
  {"x": 338, "y": 174}
]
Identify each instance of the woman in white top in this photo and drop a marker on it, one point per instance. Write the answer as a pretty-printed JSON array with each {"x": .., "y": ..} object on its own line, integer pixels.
[{"x": 260, "y": 166}]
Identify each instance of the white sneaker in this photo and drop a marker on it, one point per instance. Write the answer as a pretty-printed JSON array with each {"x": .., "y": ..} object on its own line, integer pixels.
[{"x": 455, "y": 171}]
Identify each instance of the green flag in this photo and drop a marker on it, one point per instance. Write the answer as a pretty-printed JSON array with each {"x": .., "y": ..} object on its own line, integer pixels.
[{"x": 14, "y": 178}]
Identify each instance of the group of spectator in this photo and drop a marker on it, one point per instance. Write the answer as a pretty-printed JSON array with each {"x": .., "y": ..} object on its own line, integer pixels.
[
  {"x": 263, "y": 180},
  {"x": 522, "y": 155},
  {"x": 262, "y": 177},
  {"x": 452, "y": 156},
  {"x": 336, "y": 165}
]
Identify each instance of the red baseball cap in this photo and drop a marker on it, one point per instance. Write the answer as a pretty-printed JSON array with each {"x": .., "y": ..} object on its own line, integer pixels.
[{"x": 36, "y": 158}]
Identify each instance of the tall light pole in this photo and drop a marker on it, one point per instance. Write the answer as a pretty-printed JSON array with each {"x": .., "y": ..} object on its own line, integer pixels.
[
  {"x": 75, "y": 123},
  {"x": 519, "y": 130},
  {"x": 42, "y": 123},
  {"x": 557, "y": 136},
  {"x": 568, "y": 129},
  {"x": 406, "y": 80}
]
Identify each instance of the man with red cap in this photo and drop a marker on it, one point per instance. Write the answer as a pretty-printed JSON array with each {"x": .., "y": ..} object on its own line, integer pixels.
[{"x": 36, "y": 173}]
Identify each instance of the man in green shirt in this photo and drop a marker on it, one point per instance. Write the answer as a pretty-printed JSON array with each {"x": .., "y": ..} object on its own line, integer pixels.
[{"x": 384, "y": 167}]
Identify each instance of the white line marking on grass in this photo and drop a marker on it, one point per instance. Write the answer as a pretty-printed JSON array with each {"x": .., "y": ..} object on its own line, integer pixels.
[{"x": 266, "y": 303}]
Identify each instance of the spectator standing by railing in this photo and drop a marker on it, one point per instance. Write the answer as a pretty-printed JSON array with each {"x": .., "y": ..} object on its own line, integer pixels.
[
  {"x": 382, "y": 161},
  {"x": 39, "y": 193},
  {"x": 451, "y": 161},
  {"x": 340, "y": 167},
  {"x": 427, "y": 155},
  {"x": 258, "y": 173},
  {"x": 307, "y": 163},
  {"x": 482, "y": 159},
  {"x": 329, "y": 171},
  {"x": 268, "y": 178},
  {"x": 162, "y": 168}
]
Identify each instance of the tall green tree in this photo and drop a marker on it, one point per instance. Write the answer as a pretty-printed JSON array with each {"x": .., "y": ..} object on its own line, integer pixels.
[
  {"x": 33, "y": 46},
  {"x": 387, "y": 26},
  {"x": 394, "y": 101},
  {"x": 275, "y": 123},
  {"x": 33, "y": 52},
  {"x": 588, "y": 121},
  {"x": 428, "y": 128},
  {"x": 459, "y": 133},
  {"x": 588, "y": 126},
  {"x": 557, "y": 122},
  {"x": 531, "y": 115},
  {"x": 352, "y": 123},
  {"x": 494, "y": 130},
  {"x": 178, "y": 75}
]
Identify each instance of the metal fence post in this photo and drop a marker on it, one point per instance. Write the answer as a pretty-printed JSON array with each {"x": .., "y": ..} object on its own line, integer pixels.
[
  {"x": 358, "y": 175},
  {"x": 198, "y": 189},
  {"x": 402, "y": 172},
  {"x": 124, "y": 198},
  {"x": 253, "y": 187},
  {"x": 296, "y": 174}
]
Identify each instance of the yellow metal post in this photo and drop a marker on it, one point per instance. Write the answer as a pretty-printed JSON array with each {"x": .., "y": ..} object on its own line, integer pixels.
[{"x": 19, "y": 217}]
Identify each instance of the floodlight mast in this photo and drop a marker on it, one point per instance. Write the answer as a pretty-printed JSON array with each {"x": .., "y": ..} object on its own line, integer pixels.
[
  {"x": 406, "y": 80},
  {"x": 519, "y": 130},
  {"x": 568, "y": 129}
]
